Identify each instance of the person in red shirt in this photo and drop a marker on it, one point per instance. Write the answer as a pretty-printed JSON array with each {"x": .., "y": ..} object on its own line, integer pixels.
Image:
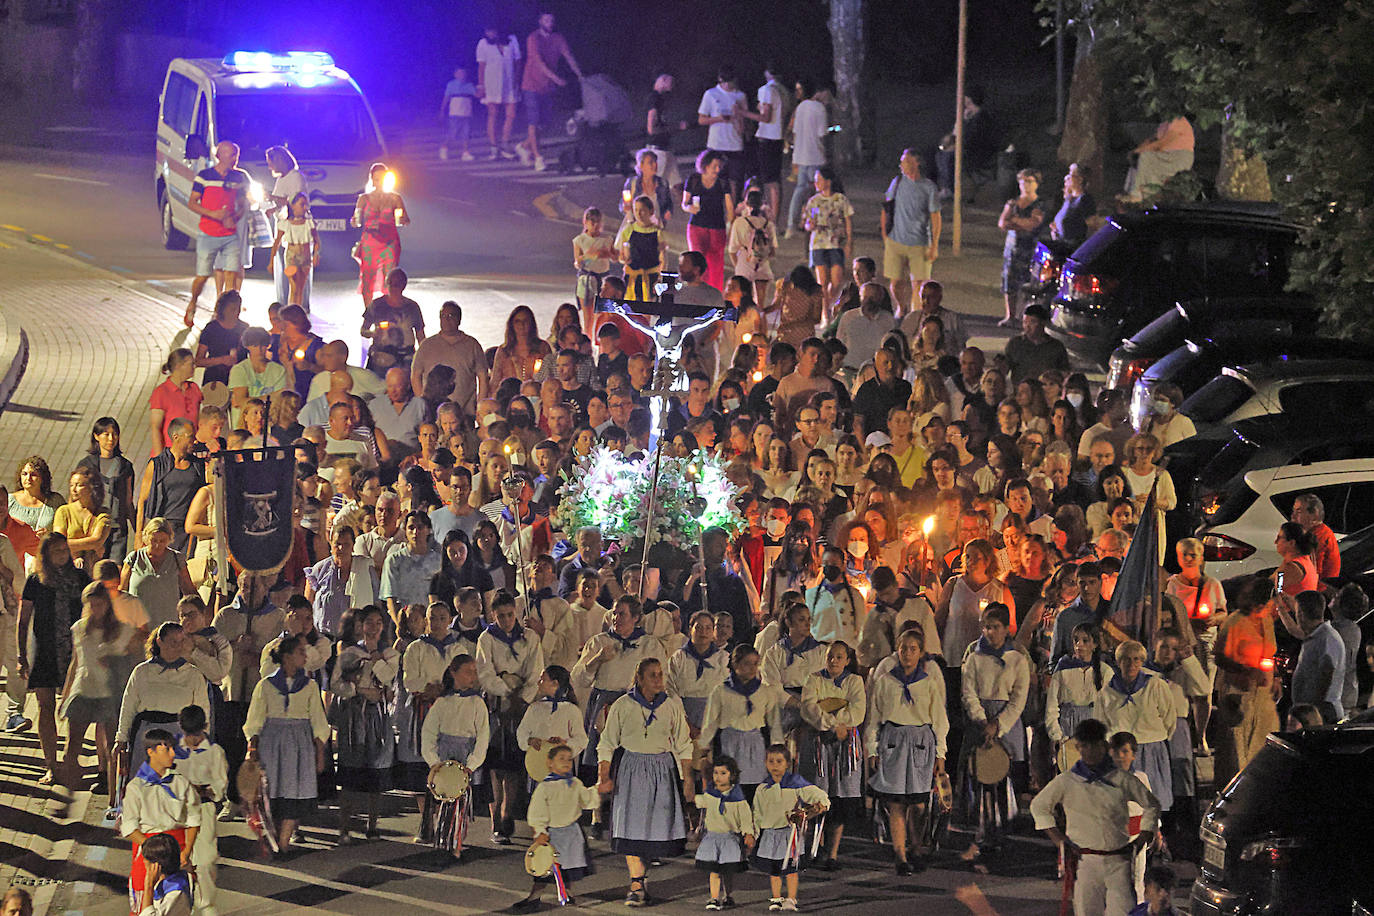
[
  {"x": 177, "y": 397},
  {"x": 1309, "y": 513},
  {"x": 543, "y": 49},
  {"x": 219, "y": 195}
]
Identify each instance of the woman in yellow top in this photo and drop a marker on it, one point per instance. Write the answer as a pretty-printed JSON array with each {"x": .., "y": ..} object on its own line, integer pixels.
[{"x": 83, "y": 519}]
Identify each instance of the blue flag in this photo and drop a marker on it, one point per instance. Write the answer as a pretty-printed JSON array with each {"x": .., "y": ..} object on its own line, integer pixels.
[
  {"x": 258, "y": 488},
  {"x": 1135, "y": 600}
]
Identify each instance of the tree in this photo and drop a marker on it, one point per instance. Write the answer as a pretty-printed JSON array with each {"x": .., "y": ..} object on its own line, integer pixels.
[
  {"x": 1294, "y": 79},
  {"x": 853, "y": 103},
  {"x": 93, "y": 52}
]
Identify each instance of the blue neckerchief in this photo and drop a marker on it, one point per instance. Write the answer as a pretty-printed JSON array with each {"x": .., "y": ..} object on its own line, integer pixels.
[
  {"x": 703, "y": 661},
  {"x": 207, "y": 632},
  {"x": 1089, "y": 775},
  {"x": 250, "y": 613},
  {"x": 832, "y": 589},
  {"x": 985, "y": 648},
  {"x": 541, "y": 594},
  {"x": 180, "y": 752},
  {"x": 510, "y": 516},
  {"x": 746, "y": 689},
  {"x": 278, "y": 680},
  {"x": 837, "y": 681},
  {"x": 569, "y": 778},
  {"x": 1128, "y": 690},
  {"x": 166, "y": 665},
  {"x": 789, "y": 781},
  {"x": 734, "y": 795},
  {"x": 177, "y": 881},
  {"x": 558, "y": 697},
  {"x": 1158, "y": 669},
  {"x": 149, "y": 775},
  {"x": 469, "y": 692},
  {"x": 470, "y": 634},
  {"x": 1069, "y": 663},
  {"x": 651, "y": 705},
  {"x": 627, "y": 643},
  {"x": 916, "y": 675},
  {"x": 509, "y": 639},
  {"x": 807, "y": 645},
  {"x": 440, "y": 645}
]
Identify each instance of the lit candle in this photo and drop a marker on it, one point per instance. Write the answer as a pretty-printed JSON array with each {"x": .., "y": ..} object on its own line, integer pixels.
[
  {"x": 626, "y": 195},
  {"x": 300, "y": 354},
  {"x": 1266, "y": 664},
  {"x": 746, "y": 337},
  {"x": 538, "y": 364},
  {"x": 928, "y": 525},
  {"x": 389, "y": 182},
  {"x": 758, "y": 376},
  {"x": 1203, "y": 610}
]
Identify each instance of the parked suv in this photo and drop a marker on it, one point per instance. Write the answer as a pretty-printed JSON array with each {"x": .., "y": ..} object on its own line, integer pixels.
[
  {"x": 1141, "y": 264},
  {"x": 1251, "y": 318},
  {"x": 1291, "y": 834},
  {"x": 1298, "y": 387},
  {"x": 1247, "y": 488}
]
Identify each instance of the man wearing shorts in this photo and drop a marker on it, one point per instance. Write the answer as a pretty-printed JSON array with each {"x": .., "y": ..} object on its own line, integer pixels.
[
  {"x": 769, "y": 135},
  {"x": 911, "y": 229},
  {"x": 220, "y": 195},
  {"x": 543, "y": 49}
]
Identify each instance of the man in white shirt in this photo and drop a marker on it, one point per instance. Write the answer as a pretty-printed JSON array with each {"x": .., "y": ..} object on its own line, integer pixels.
[
  {"x": 374, "y": 545},
  {"x": 862, "y": 330},
  {"x": 316, "y": 410},
  {"x": 772, "y": 100},
  {"x": 722, "y": 110},
  {"x": 809, "y": 124},
  {"x": 333, "y": 357},
  {"x": 340, "y": 439}
]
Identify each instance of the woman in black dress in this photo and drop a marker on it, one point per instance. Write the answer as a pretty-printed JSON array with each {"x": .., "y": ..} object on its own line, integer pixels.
[{"x": 51, "y": 603}]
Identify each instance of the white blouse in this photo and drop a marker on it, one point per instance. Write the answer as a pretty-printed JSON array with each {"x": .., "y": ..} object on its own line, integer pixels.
[
  {"x": 457, "y": 716},
  {"x": 424, "y": 663},
  {"x": 618, "y": 671},
  {"x": 772, "y": 803},
  {"x": 985, "y": 677},
  {"x": 204, "y": 765},
  {"x": 542, "y": 721},
  {"x": 637, "y": 730},
  {"x": 233, "y": 623},
  {"x": 682, "y": 673},
  {"x": 727, "y": 708},
  {"x": 1071, "y": 687},
  {"x": 92, "y": 654},
  {"x": 269, "y": 703},
  {"x": 886, "y": 703},
  {"x": 881, "y": 628},
  {"x": 738, "y": 817},
  {"x": 558, "y": 803},
  {"x": 214, "y": 656},
  {"x": 776, "y": 669},
  {"x": 559, "y": 641},
  {"x": 586, "y": 623},
  {"x": 496, "y": 661},
  {"x": 154, "y": 687},
  {"x": 356, "y": 667},
  {"x": 1148, "y": 713},
  {"x": 821, "y": 686}
]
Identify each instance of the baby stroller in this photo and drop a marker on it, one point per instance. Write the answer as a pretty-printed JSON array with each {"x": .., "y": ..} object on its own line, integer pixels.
[{"x": 596, "y": 129}]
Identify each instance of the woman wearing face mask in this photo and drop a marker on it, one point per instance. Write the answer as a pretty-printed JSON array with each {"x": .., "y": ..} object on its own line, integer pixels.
[
  {"x": 1167, "y": 424},
  {"x": 1077, "y": 393},
  {"x": 729, "y": 397},
  {"x": 858, "y": 561},
  {"x": 794, "y": 568}
]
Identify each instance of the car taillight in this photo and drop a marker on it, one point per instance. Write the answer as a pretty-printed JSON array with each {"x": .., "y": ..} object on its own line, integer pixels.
[
  {"x": 1219, "y": 547},
  {"x": 1124, "y": 373},
  {"x": 1272, "y": 850},
  {"x": 1085, "y": 285},
  {"x": 1045, "y": 267}
]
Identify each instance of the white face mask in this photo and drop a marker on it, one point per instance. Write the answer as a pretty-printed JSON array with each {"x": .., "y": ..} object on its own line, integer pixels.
[
  {"x": 1075, "y": 398},
  {"x": 730, "y": 403},
  {"x": 1163, "y": 406},
  {"x": 534, "y": 402},
  {"x": 858, "y": 549},
  {"x": 775, "y": 527},
  {"x": 517, "y": 458}
]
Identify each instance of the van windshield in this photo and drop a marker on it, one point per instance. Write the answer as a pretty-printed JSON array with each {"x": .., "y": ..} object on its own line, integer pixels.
[{"x": 316, "y": 127}]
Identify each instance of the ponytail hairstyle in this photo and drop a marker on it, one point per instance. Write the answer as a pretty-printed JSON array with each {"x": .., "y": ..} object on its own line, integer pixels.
[
  {"x": 560, "y": 676},
  {"x": 1090, "y": 631},
  {"x": 154, "y": 650}
]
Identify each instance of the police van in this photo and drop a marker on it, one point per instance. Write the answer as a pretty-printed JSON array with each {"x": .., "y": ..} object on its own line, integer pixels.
[{"x": 297, "y": 99}]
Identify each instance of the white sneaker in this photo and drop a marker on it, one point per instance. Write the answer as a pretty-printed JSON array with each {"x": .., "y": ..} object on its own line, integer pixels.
[
  {"x": 524, "y": 155},
  {"x": 495, "y": 154},
  {"x": 539, "y": 164},
  {"x": 790, "y": 905},
  {"x": 443, "y": 152},
  {"x": 468, "y": 157}
]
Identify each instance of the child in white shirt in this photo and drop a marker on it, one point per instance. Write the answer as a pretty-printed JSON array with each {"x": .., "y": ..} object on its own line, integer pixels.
[
  {"x": 206, "y": 767},
  {"x": 555, "y": 806}
]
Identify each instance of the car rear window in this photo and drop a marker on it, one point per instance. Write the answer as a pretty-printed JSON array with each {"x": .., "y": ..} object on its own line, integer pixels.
[
  {"x": 1214, "y": 401},
  {"x": 1346, "y": 507},
  {"x": 1101, "y": 253},
  {"x": 1347, "y": 397},
  {"x": 1228, "y": 462}
]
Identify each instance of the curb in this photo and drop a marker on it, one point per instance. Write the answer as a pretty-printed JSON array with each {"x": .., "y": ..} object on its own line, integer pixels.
[{"x": 14, "y": 357}]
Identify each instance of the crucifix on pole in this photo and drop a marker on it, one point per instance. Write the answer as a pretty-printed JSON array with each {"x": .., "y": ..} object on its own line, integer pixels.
[{"x": 667, "y": 323}]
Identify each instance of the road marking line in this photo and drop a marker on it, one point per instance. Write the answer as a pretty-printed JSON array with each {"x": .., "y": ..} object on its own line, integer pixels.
[
  {"x": 457, "y": 879},
  {"x": 5, "y": 245},
  {"x": 545, "y": 207},
  {"x": 40, "y": 238},
  {"x": 67, "y": 178},
  {"x": 12, "y": 228},
  {"x": 455, "y": 200},
  {"x": 62, "y": 246},
  {"x": 309, "y": 879}
]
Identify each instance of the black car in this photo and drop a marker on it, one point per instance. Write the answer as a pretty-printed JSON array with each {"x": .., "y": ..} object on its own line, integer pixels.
[
  {"x": 1291, "y": 834},
  {"x": 1046, "y": 265},
  {"x": 1141, "y": 264},
  {"x": 1269, "y": 317}
]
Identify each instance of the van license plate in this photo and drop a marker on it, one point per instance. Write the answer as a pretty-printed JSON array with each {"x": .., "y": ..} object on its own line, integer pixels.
[
  {"x": 331, "y": 225},
  {"x": 1214, "y": 857}
]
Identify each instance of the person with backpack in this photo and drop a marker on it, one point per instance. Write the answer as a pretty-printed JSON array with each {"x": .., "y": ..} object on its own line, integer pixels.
[{"x": 753, "y": 242}]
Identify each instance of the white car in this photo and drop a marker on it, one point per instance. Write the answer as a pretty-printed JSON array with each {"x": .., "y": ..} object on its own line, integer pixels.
[
  {"x": 1242, "y": 516},
  {"x": 1299, "y": 387}
]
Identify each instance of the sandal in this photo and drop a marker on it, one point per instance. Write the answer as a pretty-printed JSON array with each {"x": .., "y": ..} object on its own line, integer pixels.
[
  {"x": 637, "y": 896},
  {"x": 190, "y": 317},
  {"x": 48, "y": 778}
]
